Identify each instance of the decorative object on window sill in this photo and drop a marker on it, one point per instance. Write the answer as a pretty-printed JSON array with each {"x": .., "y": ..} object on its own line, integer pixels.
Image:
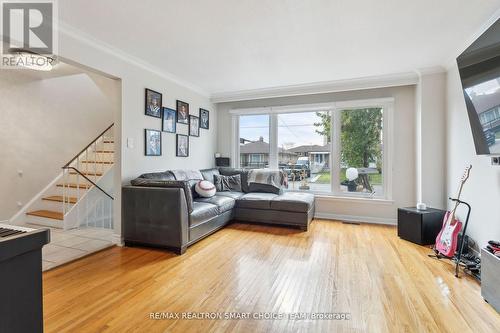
[{"x": 351, "y": 175}]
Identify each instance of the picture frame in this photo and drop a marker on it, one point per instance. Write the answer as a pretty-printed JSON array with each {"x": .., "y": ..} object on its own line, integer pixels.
[
  {"x": 182, "y": 112},
  {"x": 204, "y": 119},
  {"x": 182, "y": 145},
  {"x": 152, "y": 103},
  {"x": 152, "y": 142},
  {"x": 194, "y": 126},
  {"x": 169, "y": 120}
]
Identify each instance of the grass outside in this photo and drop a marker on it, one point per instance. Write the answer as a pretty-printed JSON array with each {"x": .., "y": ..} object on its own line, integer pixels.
[{"x": 325, "y": 177}]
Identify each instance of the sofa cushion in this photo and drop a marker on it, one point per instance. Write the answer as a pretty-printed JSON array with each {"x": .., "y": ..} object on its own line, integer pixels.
[
  {"x": 264, "y": 188},
  {"x": 227, "y": 183},
  {"x": 166, "y": 175},
  {"x": 202, "y": 212},
  {"x": 293, "y": 202},
  {"x": 231, "y": 194},
  {"x": 256, "y": 200},
  {"x": 208, "y": 174},
  {"x": 187, "y": 174},
  {"x": 223, "y": 203},
  {"x": 243, "y": 174}
]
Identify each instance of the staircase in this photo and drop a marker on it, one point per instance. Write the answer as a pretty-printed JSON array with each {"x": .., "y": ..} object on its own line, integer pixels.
[{"x": 77, "y": 194}]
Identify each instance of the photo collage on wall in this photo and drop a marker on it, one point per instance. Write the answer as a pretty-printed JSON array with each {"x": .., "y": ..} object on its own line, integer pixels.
[{"x": 170, "y": 120}]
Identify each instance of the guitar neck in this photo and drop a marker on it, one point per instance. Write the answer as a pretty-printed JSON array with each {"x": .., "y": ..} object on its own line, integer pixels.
[{"x": 453, "y": 211}]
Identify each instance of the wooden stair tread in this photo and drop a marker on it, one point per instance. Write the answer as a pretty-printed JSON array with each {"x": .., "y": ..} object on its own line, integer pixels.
[
  {"x": 47, "y": 214},
  {"x": 73, "y": 185},
  {"x": 59, "y": 198},
  {"x": 86, "y": 173},
  {"x": 97, "y": 162}
]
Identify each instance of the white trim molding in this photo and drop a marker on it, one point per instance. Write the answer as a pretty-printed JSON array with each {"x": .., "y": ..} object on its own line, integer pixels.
[
  {"x": 360, "y": 219},
  {"x": 382, "y": 81}
]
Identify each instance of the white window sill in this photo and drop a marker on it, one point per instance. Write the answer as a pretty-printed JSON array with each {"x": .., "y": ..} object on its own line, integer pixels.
[{"x": 353, "y": 199}]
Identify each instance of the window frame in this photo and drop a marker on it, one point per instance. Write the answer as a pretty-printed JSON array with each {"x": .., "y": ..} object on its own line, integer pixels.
[{"x": 335, "y": 108}]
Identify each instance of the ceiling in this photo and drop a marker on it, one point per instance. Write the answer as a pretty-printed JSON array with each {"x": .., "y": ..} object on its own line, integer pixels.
[{"x": 232, "y": 45}]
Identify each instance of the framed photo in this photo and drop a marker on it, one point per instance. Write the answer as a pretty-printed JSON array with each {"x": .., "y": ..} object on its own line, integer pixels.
[
  {"x": 194, "y": 125},
  {"x": 182, "y": 145},
  {"x": 182, "y": 112},
  {"x": 168, "y": 123},
  {"x": 152, "y": 142},
  {"x": 204, "y": 119},
  {"x": 153, "y": 103}
]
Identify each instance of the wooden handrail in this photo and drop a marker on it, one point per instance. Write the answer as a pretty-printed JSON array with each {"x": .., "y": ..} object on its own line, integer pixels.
[{"x": 90, "y": 144}]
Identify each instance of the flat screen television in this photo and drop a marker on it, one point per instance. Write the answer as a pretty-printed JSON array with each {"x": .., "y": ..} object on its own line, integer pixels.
[{"x": 479, "y": 67}]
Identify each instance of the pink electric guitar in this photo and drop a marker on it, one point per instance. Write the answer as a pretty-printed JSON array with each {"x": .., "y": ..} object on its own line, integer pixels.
[{"x": 447, "y": 239}]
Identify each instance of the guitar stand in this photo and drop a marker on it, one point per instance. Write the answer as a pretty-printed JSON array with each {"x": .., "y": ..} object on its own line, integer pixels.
[
  {"x": 462, "y": 240},
  {"x": 438, "y": 256}
]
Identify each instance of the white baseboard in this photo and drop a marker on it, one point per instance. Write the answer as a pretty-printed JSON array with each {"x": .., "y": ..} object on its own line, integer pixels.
[
  {"x": 352, "y": 218},
  {"x": 117, "y": 240}
]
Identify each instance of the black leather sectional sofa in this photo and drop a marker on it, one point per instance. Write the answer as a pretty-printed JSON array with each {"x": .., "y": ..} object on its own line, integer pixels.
[{"x": 160, "y": 210}]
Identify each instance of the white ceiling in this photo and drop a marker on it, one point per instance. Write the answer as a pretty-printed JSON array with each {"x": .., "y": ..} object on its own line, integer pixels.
[{"x": 231, "y": 45}]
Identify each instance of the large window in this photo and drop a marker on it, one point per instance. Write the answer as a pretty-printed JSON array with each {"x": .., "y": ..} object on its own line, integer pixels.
[
  {"x": 254, "y": 141},
  {"x": 304, "y": 150},
  {"x": 333, "y": 148},
  {"x": 361, "y": 151}
]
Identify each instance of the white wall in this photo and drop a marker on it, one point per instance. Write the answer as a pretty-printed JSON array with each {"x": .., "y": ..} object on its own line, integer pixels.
[
  {"x": 131, "y": 121},
  {"x": 47, "y": 120},
  {"x": 482, "y": 190},
  {"x": 431, "y": 139},
  {"x": 404, "y": 188}
]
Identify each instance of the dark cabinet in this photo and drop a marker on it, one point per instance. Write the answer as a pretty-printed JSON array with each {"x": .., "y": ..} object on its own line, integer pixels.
[{"x": 420, "y": 226}]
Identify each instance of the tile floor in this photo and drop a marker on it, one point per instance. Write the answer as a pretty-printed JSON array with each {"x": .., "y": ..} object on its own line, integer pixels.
[{"x": 68, "y": 245}]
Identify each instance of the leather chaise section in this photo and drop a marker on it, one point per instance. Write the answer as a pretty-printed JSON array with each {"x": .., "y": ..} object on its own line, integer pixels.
[
  {"x": 293, "y": 202},
  {"x": 256, "y": 200}
]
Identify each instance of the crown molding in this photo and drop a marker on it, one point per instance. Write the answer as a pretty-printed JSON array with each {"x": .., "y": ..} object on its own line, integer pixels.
[
  {"x": 87, "y": 39},
  {"x": 382, "y": 81},
  {"x": 430, "y": 70},
  {"x": 451, "y": 61}
]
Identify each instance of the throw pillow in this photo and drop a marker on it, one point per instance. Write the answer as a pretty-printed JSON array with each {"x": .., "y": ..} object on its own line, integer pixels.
[
  {"x": 205, "y": 188},
  {"x": 228, "y": 183}
]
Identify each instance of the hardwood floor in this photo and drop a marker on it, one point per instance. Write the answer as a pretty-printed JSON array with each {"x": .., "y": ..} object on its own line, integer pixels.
[{"x": 385, "y": 284}]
